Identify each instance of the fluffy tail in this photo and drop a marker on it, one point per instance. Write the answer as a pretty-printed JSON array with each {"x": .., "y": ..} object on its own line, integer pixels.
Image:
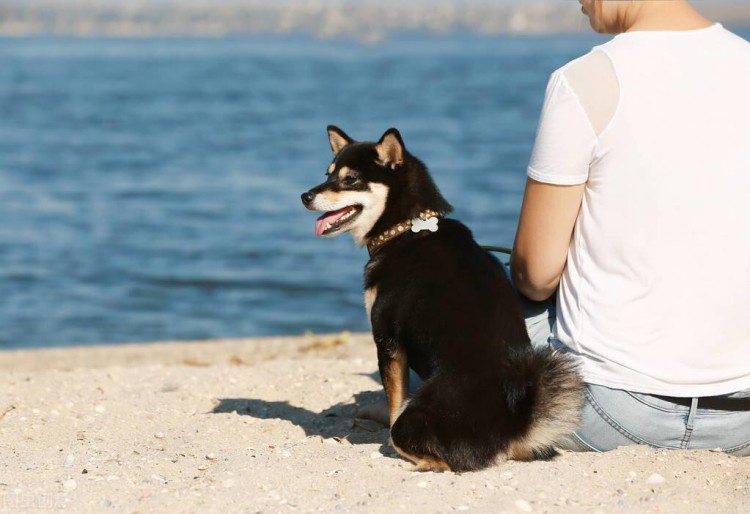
[
  {"x": 555, "y": 404},
  {"x": 466, "y": 423}
]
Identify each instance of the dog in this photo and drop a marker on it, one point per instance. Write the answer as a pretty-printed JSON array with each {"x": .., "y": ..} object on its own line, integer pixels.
[{"x": 440, "y": 304}]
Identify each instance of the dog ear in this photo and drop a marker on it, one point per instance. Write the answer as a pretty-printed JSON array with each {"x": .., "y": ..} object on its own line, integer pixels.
[
  {"x": 390, "y": 148},
  {"x": 337, "y": 138}
]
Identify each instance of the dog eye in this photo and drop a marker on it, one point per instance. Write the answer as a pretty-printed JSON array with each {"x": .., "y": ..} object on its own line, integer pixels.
[{"x": 349, "y": 179}]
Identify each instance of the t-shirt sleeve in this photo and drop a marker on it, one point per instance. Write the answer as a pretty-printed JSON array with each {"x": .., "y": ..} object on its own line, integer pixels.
[{"x": 565, "y": 140}]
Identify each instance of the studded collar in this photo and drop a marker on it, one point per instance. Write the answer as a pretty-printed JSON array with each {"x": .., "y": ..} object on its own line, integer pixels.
[{"x": 425, "y": 220}]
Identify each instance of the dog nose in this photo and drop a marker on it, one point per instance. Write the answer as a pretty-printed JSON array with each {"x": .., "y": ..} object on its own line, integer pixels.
[{"x": 307, "y": 198}]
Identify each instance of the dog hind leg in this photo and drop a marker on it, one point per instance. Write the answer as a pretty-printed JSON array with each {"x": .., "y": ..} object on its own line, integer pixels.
[{"x": 411, "y": 438}]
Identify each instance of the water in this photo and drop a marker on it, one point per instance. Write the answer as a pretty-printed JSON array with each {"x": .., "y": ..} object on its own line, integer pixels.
[{"x": 149, "y": 189}]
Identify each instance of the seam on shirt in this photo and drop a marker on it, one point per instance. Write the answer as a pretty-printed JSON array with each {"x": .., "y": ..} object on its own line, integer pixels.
[
  {"x": 580, "y": 105},
  {"x": 559, "y": 180},
  {"x": 597, "y": 145},
  {"x": 619, "y": 90},
  {"x": 578, "y": 98},
  {"x": 581, "y": 251}
]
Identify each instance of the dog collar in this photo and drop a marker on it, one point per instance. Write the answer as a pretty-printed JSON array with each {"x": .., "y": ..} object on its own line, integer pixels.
[{"x": 425, "y": 220}]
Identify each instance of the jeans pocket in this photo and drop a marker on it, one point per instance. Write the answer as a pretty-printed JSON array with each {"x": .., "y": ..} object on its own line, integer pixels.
[
  {"x": 599, "y": 429},
  {"x": 623, "y": 418},
  {"x": 728, "y": 430}
]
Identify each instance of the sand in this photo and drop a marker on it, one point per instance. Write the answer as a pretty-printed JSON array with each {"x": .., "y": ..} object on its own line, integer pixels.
[{"x": 267, "y": 425}]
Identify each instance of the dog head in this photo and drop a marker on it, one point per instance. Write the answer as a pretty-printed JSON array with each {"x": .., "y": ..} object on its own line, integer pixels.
[{"x": 370, "y": 187}]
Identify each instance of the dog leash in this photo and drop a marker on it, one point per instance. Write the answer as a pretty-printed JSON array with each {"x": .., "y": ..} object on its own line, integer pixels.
[{"x": 498, "y": 249}]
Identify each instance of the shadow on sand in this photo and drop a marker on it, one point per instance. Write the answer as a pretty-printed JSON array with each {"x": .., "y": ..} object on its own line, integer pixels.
[{"x": 337, "y": 421}]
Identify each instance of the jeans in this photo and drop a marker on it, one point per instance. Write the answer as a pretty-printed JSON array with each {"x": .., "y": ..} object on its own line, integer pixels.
[{"x": 615, "y": 417}]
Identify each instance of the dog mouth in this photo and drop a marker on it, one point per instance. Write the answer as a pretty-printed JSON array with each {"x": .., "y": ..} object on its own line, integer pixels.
[{"x": 333, "y": 221}]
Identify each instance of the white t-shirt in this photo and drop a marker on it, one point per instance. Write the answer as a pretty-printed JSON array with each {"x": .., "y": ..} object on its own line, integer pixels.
[{"x": 655, "y": 296}]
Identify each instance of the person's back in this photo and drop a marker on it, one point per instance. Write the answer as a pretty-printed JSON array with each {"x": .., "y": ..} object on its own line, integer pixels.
[
  {"x": 657, "y": 282},
  {"x": 636, "y": 206}
]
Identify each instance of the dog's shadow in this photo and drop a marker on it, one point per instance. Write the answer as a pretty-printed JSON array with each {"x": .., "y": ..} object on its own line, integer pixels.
[{"x": 337, "y": 421}]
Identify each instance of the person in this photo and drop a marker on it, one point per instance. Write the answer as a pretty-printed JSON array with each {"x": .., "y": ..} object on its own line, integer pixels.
[{"x": 633, "y": 241}]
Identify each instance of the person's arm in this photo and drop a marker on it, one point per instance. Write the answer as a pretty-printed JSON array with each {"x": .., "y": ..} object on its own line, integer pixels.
[
  {"x": 565, "y": 146},
  {"x": 545, "y": 226}
]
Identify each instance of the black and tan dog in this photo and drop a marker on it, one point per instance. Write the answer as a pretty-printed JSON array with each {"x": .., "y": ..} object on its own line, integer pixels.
[{"x": 441, "y": 305}]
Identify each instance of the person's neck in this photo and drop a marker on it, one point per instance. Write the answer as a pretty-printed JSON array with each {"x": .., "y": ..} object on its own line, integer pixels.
[{"x": 674, "y": 15}]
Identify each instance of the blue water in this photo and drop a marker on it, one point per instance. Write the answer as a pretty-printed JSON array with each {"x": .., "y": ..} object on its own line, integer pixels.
[{"x": 149, "y": 189}]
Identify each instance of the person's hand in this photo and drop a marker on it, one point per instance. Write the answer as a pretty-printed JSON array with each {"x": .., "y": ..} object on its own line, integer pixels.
[{"x": 377, "y": 412}]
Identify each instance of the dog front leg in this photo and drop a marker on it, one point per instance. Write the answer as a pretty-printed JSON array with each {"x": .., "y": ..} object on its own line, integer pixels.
[{"x": 394, "y": 373}]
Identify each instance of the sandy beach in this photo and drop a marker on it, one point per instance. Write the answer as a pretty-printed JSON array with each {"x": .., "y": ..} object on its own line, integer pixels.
[{"x": 267, "y": 425}]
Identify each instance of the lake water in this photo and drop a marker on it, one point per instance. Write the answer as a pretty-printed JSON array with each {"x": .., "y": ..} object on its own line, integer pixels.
[{"x": 149, "y": 189}]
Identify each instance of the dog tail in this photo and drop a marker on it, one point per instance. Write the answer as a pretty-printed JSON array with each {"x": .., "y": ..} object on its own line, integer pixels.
[
  {"x": 556, "y": 397},
  {"x": 467, "y": 423}
]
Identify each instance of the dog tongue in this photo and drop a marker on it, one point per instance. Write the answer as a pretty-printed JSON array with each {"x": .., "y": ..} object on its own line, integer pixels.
[{"x": 329, "y": 217}]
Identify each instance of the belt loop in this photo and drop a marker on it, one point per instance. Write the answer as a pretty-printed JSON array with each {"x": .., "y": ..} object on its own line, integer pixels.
[{"x": 691, "y": 416}]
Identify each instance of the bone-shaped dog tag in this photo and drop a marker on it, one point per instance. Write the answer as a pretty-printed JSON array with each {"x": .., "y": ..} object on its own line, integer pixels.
[{"x": 418, "y": 224}]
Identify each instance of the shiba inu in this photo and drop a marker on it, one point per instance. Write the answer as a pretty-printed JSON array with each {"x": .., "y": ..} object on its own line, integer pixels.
[{"x": 440, "y": 304}]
